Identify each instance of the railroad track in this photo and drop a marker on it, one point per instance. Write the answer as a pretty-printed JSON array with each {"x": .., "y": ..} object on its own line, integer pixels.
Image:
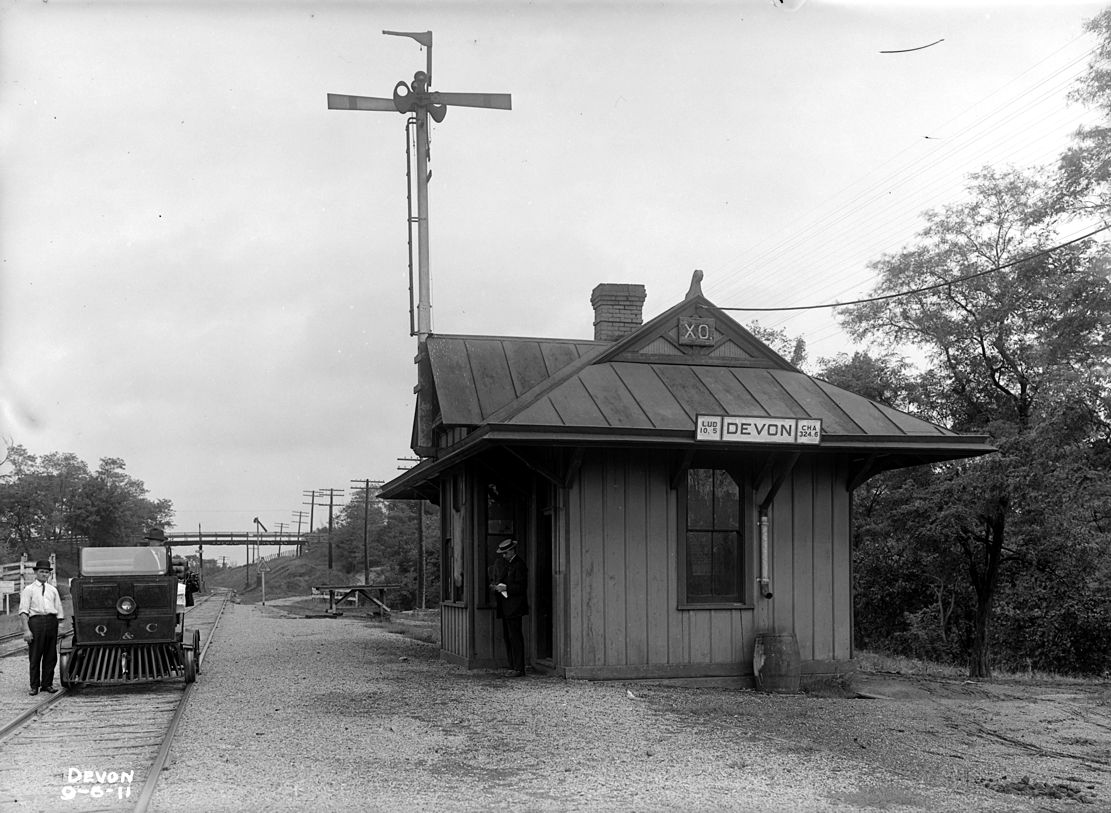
[
  {"x": 12, "y": 644},
  {"x": 101, "y": 747}
]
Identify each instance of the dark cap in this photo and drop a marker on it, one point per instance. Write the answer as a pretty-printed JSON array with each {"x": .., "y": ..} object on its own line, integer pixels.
[
  {"x": 507, "y": 545},
  {"x": 155, "y": 535},
  {"x": 43, "y": 564}
]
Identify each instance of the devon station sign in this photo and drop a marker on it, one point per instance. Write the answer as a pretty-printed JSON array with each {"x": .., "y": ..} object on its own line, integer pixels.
[{"x": 744, "y": 429}]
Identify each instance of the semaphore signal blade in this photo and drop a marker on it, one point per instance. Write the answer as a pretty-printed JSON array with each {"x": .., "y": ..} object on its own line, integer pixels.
[
  {"x": 341, "y": 101},
  {"x": 497, "y": 101}
]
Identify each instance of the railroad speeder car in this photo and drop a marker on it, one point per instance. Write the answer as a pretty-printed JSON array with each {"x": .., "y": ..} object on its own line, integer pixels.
[{"x": 128, "y": 626}]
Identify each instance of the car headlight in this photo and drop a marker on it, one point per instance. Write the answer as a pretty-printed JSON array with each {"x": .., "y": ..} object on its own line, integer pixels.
[{"x": 126, "y": 605}]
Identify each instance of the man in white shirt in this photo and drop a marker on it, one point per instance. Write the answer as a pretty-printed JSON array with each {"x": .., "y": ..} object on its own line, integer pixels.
[{"x": 40, "y": 611}]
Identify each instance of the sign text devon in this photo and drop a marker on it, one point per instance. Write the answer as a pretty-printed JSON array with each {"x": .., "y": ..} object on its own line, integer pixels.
[{"x": 762, "y": 429}]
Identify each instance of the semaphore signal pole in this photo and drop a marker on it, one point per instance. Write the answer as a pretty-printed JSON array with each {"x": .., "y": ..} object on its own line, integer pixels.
[{"x": 419, "y": 101}]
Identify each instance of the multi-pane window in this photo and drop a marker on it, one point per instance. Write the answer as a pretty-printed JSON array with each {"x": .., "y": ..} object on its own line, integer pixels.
[{"x": 713, "y": 551}]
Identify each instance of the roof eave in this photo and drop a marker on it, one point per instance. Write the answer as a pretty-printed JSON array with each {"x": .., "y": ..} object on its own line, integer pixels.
[{"x": 414, "y": 483}]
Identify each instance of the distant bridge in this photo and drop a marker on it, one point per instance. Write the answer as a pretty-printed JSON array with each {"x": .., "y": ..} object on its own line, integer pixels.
[{"x": 234, "y": 538}]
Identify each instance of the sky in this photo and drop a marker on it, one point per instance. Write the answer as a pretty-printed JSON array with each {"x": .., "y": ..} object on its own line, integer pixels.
[{"x": 203, "y": 270}]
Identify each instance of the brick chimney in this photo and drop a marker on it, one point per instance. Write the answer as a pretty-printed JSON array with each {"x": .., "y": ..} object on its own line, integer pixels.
[{"x": 617, "y": 310}]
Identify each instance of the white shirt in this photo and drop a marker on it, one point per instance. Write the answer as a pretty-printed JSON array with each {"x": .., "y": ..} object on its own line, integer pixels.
[{"x": 41, "y": 598}]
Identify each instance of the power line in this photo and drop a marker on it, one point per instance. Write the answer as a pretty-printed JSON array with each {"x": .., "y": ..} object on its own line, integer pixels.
[
  {"x": 933, "y": 287},
  {"x": 964, "y": 145}
]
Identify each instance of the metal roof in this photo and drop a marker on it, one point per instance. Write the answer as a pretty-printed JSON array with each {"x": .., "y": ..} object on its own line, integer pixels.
[{"x": 647, "y": 389}]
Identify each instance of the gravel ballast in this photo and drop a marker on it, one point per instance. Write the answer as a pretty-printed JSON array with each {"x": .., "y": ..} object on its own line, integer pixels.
[{"x": 294, "y": 713}]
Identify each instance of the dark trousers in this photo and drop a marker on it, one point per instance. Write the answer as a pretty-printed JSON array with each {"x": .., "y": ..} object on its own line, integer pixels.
[
  {"x": 43, "y": 649},
  {"x": 514, "y": 642}
]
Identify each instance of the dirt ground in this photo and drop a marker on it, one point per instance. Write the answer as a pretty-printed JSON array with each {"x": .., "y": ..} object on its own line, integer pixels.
[{"x": 1045, "y": 743}]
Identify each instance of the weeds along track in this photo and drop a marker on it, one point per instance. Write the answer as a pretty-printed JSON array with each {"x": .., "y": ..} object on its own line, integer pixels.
[{"x": 99, "y": 747}]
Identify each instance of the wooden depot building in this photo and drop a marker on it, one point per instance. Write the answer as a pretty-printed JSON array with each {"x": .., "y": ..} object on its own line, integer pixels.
[{"x": 675, "y": 485}]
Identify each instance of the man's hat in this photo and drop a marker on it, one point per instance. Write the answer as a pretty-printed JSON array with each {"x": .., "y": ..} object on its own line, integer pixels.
[
  {"x": 507, "y": 545},
  {"x": 155, "y": 535},
  {"x": 43, "y": 564}
]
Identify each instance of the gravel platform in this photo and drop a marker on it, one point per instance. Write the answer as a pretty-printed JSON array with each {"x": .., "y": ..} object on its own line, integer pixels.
[{"x": 294, "y": 713}]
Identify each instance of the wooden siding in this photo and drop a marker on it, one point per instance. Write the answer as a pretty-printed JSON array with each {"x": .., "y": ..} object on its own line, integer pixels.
[
  {"x": 453, "y": 630},
  {"x": 810, "y": 556},
  {"x": 622, "y": 617},
  {"x": 622, "y": 594},
  {"x": 454, "y": 617}
]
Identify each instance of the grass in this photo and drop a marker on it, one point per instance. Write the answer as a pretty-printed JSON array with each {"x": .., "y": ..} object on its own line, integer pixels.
[
  {"x": 915, "y": 667},
  {"x": 426, "y": 633}
]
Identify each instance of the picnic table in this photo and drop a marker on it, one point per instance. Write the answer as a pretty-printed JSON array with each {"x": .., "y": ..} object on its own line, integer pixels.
[{"x": 374, "y": 593}]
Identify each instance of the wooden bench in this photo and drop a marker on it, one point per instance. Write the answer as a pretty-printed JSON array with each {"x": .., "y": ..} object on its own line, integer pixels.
[{"x": 367, "y": 591}]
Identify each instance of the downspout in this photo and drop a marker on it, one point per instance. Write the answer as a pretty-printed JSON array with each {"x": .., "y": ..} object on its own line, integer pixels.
[{"x": 764, "y": 581}]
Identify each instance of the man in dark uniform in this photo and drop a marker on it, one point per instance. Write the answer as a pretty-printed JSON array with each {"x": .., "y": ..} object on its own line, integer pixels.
[
  {"x": 509, "y": 582},
  {"x": 181, "y": 570}
]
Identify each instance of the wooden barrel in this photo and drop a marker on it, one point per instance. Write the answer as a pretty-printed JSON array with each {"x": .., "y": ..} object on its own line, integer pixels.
[{"x": 776, "y": 663}]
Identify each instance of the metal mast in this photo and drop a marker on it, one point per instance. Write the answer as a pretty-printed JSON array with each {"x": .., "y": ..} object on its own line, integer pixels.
[{"x": 419, "y": 101}]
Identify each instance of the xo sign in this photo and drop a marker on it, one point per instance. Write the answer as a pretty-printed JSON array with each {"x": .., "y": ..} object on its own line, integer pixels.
[{"x": 697, "y": 332}]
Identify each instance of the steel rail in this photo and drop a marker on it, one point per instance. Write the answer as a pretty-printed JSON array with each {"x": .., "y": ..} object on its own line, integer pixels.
[
  {"x": 22, "y": 650},
  {"x": 36, "y": 709},
  {"x": 146, "y": 795}
]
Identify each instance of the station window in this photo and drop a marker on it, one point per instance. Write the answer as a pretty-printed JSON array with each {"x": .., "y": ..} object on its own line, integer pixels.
[
  {"x": 712, "y": 550},
  {"x": 504, "y": 519},
  {"x": 451, "y": 553}
]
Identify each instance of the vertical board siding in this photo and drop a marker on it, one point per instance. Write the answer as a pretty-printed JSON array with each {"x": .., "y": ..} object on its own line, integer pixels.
[
  {"x": 802, "y": 586},
  {"x": 781, "y": 555},
  {"x": 453, "y": 629},
  {"x": 621, "y": 602},
  {"x": 453, "y": 619},
  {"x": 623, "y": 597},
  {"x": 592, "y": 587},
  {"x": 662, "y": 629},
  {"x": 614, "y": 571},
  {"x": 824, "y": 616},
  {"x": 573, "y": 578},
  {"x": 636, "y": 566},
  {"x": 842, "y": 598}
]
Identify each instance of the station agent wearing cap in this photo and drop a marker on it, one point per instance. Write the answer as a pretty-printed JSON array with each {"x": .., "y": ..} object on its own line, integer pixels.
[{"x": 40, "y": 611}]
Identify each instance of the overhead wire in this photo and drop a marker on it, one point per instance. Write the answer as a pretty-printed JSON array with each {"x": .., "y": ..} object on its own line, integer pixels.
[
  {"x": 873, "y": 242},
  {"x": 933, "y": 287},
  {"x": 885, "y": 228},
  {"x": 878, "y": 188},
  {"x": 917, "y": 168}
]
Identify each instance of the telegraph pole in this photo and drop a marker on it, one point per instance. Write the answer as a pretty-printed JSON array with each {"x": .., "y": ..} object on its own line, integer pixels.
[
  {"x": 420, "y": 536},
  {"x": 332, "y": 494},
  {"x": 366, "y": 484},
  {"x": 281, "y": 531},
  {"x": 299, "y": 515},
  {"x": 311, "y": 504}
]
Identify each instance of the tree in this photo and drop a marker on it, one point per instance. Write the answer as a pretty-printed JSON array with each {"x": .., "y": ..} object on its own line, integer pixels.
[
  {"x": 792, "y": 349},
  {"x": 1084, "y": 171},
  {"x": 35, "y": 496},
  {"x": 392, "y": 545},
  {"x": 1011, "y": 341},
  {"x": 112, "y": 508}
]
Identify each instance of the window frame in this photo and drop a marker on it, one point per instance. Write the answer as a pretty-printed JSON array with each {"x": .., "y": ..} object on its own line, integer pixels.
[{"x": 745, "y": 536}]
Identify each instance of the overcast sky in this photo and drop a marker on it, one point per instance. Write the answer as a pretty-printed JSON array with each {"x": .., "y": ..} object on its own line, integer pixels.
[{"x": 204, "y": 270}]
